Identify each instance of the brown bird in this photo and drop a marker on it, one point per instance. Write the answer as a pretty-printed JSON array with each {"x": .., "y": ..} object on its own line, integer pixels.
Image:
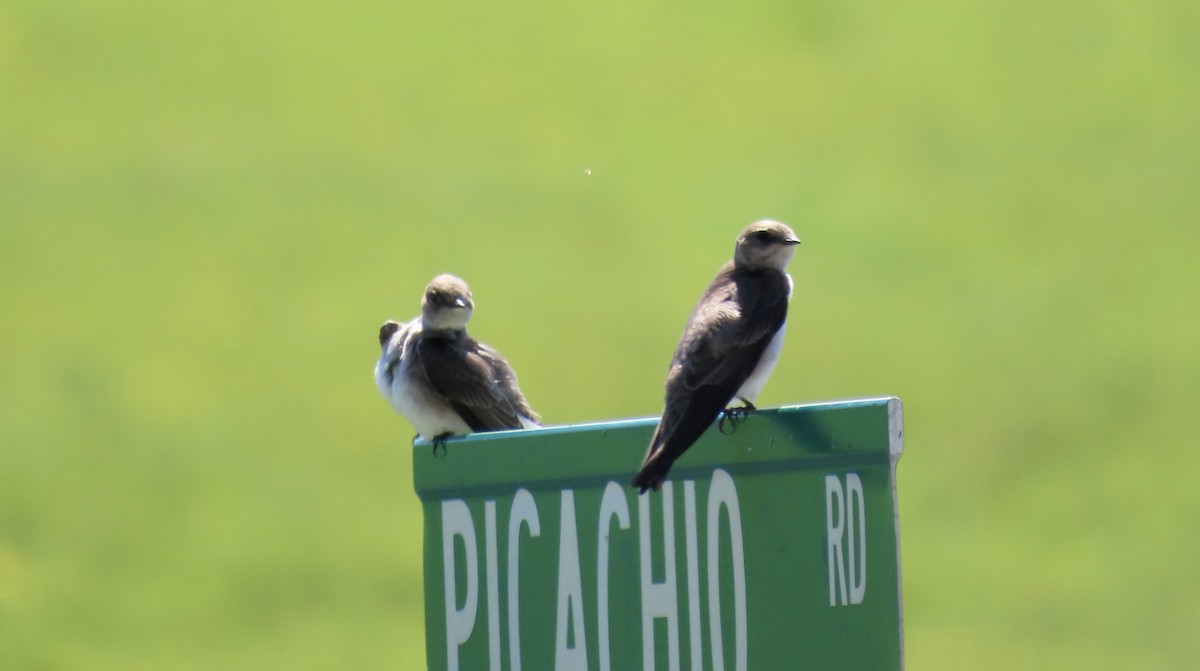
[
  {"x": 728, "y": 348},
  {"x": 441, "y": 379}
]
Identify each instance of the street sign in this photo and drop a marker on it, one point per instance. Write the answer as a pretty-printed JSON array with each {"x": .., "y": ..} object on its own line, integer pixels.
[{"x": 773, "y": 546}]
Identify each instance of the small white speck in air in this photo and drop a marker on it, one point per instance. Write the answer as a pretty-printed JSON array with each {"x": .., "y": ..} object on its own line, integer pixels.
[{"x": 587, "y": 171}]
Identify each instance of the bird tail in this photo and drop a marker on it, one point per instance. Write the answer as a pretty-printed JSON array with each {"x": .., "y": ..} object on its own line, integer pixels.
[
  {"x": 652, "y": 475},
  {"x": 655, "y": 466}
]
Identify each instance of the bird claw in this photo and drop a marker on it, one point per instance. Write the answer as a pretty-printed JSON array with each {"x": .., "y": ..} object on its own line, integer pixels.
[
  {"x": 734, "y": 416},
  {"x": 721, "y": 424},
  {"x": 439, "y": 441}
]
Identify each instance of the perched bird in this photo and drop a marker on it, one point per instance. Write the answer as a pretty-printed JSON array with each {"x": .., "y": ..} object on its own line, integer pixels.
[
  {"x": 728, "y": 348},
  {"x": 441, "y": 379}
]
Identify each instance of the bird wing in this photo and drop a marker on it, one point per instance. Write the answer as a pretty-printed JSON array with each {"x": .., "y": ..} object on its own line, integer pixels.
[
  {"x": 721, "y": 345},
  {"x": 470, "y": 382},
  {"x": 506, "y": 380},
  {"x": 729, "y": 329}
]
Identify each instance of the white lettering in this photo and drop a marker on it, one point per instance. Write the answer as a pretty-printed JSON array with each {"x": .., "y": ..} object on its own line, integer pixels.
[
  {"x": 613, "y": 504},
  {"x": 456, "y": 521},
  {"x": 858, "y": 569},
  {"x": 690, "y": 545},
  {"x": 569, "y": 657},
  {"x": 465, "y": 585},
  {"x": 834, "y": 533},
  {"x": 722, "y": 493},
  {"x": 493, "y": 584},
  {"x": 658, "y": 599},
  {"x": 846, "y": 529},
  {"x": 524, "y": 511}
]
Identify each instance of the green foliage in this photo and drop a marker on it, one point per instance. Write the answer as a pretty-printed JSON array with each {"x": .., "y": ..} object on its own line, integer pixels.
[{"x": 207, "y": 209}]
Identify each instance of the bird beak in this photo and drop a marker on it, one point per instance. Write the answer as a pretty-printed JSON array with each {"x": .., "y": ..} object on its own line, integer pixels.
[{"x": 792, "y": 241}]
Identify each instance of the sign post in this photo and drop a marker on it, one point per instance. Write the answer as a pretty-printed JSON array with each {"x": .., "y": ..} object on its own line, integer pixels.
[{"x": 774, "y": 546}]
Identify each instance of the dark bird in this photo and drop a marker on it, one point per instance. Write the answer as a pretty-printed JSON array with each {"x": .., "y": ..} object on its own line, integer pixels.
[
  {"x": 728, "y": 348},
  {"x": 442, "y": 380}
]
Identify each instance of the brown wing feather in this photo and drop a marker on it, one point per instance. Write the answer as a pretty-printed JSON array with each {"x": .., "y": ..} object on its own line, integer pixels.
[
  {"x": 725, "y": 336},
  {"x": 473, "y": 379}
]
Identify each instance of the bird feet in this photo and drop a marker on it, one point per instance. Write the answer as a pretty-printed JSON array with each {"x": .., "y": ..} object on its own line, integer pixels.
[
  {"x": 734, "y": 416},
  {"x": 439, "y": 441}
]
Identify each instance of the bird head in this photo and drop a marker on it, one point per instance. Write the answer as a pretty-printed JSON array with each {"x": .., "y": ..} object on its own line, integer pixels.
[
  {"x": 765, "y": 245},
  {"x": 388, "y": 330},
  {"x": 447, "y": 304}
]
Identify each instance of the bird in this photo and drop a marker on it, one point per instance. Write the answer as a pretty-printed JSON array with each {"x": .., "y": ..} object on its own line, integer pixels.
[
  {"x": 442, "y": 380},
  {"x": 729, "y": 346}
]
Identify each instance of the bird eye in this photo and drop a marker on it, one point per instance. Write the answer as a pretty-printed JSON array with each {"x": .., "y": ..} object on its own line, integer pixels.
[{"x": 762, "y": 236}]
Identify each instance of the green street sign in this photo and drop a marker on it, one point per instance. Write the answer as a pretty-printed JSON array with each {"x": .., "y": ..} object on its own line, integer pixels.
[{"x": 771, "y": 547}]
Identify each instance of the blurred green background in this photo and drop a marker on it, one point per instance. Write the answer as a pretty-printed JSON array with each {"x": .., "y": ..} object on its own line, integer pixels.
[{"x": 207, "y": 209}]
